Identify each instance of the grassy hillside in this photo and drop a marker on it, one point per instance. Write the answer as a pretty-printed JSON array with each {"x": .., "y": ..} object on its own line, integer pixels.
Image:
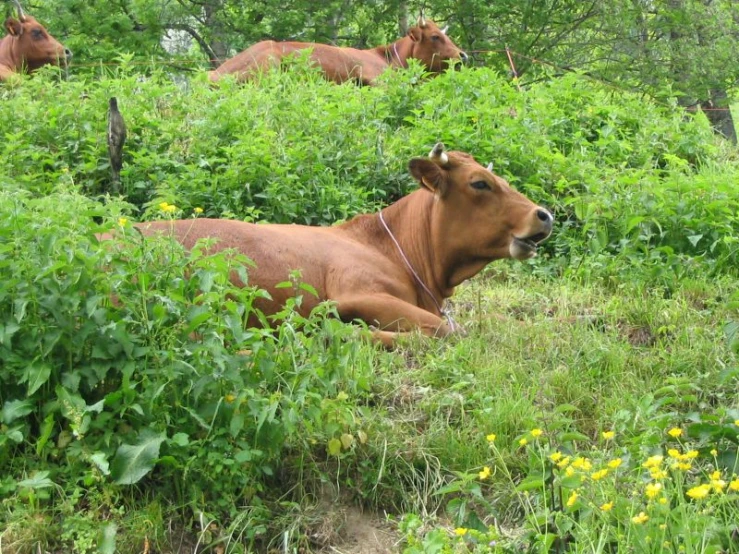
[{"x": 138, "y": 408}]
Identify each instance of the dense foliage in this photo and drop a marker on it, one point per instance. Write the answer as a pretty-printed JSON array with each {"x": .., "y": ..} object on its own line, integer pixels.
[
  {"x": 125, "y": 384},
  {"x": 667, "y": 48}
]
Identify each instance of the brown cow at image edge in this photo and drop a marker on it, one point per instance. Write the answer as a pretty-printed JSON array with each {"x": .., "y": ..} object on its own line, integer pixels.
[
  {"x": 28, "y": 46},
  {"x": 391, "y": 269},
  {"x": 424, "y": 42}
]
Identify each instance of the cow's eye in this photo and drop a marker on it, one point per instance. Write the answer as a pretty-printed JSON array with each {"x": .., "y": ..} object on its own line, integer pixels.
[
  {"x": 479, "y": 185},
  {"x": 37, "y": 34},
  {"x": 435, "y": 38}
]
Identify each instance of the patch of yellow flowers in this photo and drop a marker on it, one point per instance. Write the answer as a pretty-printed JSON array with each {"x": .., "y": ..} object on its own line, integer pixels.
[{"x": 659, "y": 467}]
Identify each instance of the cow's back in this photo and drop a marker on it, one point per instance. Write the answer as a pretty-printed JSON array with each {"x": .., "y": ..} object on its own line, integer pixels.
[
  {"x": 327, "y": 257},
  {"x": 337, "y": 64}
]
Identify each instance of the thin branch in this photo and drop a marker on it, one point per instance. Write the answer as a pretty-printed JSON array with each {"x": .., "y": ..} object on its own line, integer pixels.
[{"x": 212, "y": 58}]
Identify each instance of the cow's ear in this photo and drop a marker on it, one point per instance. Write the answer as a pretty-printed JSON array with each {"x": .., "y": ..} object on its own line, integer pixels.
[
  {"x": 415, "y": 34},
  {"x": 14, "y": 27},
  {"x": 429, "y": 174}
]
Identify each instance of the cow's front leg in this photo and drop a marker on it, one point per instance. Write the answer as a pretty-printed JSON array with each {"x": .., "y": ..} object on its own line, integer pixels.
[{"x": 391, "y": 316}]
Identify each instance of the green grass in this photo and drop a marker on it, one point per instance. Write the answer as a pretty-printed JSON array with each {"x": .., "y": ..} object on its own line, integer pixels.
[{"x": 557, "y": 355}]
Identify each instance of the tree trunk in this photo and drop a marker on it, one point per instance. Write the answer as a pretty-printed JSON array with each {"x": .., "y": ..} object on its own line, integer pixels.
[
  {"x": 217, "y": 45},
  {"x": 718, "y": 113}
]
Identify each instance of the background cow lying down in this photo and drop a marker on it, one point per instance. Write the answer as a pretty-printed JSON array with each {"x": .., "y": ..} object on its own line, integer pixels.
[
  {"x": 392, "y": 269},
  {"x": 28, "y": 46},
  {"x": 425, "y": 42}
]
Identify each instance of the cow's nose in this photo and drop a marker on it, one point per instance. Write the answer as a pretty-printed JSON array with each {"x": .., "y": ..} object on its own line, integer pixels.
[
  {"x": 544, "y": 215},
  {"x": 67, "y": 53},
  {"x": 463, "y": 56}
]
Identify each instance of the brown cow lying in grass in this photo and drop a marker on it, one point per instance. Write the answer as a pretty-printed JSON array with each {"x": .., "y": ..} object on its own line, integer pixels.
[
  {"x": 28, "y": 46},
  {"x": 391, "y": 269},
  {"x": 425, "y": 42}
]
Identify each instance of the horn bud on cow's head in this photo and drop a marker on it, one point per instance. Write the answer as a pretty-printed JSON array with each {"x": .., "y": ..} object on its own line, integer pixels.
[
  {"x": 438, "y": 156},
  {"x": 490, "y": 167},
  {"x": 421, "y": 21},
  {"x": 445, "y": 29},
  {"x": 18, "y": 7}
]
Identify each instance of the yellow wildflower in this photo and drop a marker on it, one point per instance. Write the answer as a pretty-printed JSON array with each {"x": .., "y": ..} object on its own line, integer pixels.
[
  {"x": 691, "y": 454},
  {"x": 460, "y": 531},
  {"x": 699, "y": 492},
  {"x": 607, "y": 507},
  {"x": 684, "y": 466},
  {"x": 714, "y": 452},
  {"x": 572, "y": 499},
  {"x": 736, "y": 422},
  {"x": 122, "y": 221},
  {"x": 569, "y": 472},
  {"x": 491, "y": 437},
  {"x": 608, "y": 435},
  {"x": 613, "y": 464},
  {"x": 485, "y": 473},
  {"x": 163, "y": 206},
  {"x": 675, "y": 432},
  {"x": 653, "y": 461},
  {"x": 657, "y": 473},
  {"x": 662, "y": 526},
  {"x": 598, "y": 475},
  {"x": 582, "y": 463},
  {"x": 641, "y": 518},
  {"x": 734, "y": 485},
  {"x": 653, "y": 489},
  {"x": 229, "y": 398},
  {"x": 523, "y": 442},
  {"x": 564, "y": 462},
  {"x": 536, "y": 433},
  {"x": 716, "y": 474},
  {"x": 663, "y": 500},
  {"x": 556, "y": 456},
  {"x": 718, "y": 485},
  {"x": 674, "y": 453},
  {"x": 198, "y": 210}
]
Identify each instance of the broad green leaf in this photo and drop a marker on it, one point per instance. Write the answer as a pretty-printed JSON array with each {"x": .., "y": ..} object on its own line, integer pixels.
[
  {"x": 107, "y": 545},
  {"x": 530, "y": 483},
  {"x": 101, "y": 462},
  {"x": 46, "y": 429},
  {"x": 13, "y": 409},
  {"x": 571, "y": 436},
  {"x": 36, "y": 375},
  {"x": 133, "y": 461},
  {"x": 39, "y": 481}
]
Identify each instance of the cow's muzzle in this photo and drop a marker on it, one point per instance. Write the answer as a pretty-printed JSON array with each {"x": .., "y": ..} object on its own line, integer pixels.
[{"x": 523, "y": 248}]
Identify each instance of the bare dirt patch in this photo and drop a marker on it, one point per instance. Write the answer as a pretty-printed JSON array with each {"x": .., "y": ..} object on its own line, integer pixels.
[{"x": 362, "y": 533}]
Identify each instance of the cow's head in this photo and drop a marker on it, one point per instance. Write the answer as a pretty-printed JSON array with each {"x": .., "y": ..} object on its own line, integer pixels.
[
  {"x": 482, "y": 217},
  {"x": 34, "y": 46},
  {"x": 433, "y": 47}
]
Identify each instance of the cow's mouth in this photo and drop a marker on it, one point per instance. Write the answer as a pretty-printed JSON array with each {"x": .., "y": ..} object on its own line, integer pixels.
[{"x": 525, "y": 247}]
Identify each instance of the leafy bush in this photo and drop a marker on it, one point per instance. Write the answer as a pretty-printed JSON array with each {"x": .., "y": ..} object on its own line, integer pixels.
[
  {"x": 117, "y": 369},
  {"x": 630, "y": 183}
]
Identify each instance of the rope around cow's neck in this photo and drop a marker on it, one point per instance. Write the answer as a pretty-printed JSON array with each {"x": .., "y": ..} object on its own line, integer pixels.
[
  {"x": 442, "y": 311},
  {"x": 400, "y": 61}
]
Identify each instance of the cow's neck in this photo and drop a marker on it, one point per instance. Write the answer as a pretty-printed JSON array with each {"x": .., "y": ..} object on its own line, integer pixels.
[
  {"x": 397, "y": 53},
  {"x": 7, "y": 57},
  {"x": 412, "y": 222},
  {"x": 432, "y": 244}
]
